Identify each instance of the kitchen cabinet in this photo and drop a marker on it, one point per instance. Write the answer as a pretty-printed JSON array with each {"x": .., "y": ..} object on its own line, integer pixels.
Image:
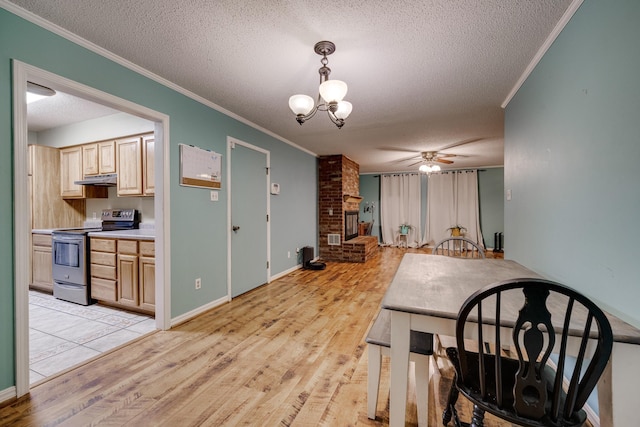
[
  {"x": 48, "y": 208},
  {"x": 103, "y": 269},
  {"x": 71, "y": 170},
  {"x": 41, "y": 268},
  {"x": 147, "y": 276},
  {"x": 134, "y": 163},
  {"x": 99, "y": 158},
  {"x": 128, "y": 273},
  {"x": 148, "y": 165},
  {"x": 123, "y": 273}
]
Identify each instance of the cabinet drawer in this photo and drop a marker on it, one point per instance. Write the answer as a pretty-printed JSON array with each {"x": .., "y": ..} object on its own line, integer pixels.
[
  {"x": 103, "y": 271},
  {"x": 103, "y": 258},
  {"x": 128, "y": 247},
  {"x": 41, "y": 239},
  {"x": 103, "y": 245},
  {"x": 148, "y": 248},
  {"x": 102, "y": 289}
]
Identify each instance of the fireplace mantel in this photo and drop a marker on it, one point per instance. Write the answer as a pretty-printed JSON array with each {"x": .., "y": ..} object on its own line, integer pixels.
[{"x": 351, "y": 198}]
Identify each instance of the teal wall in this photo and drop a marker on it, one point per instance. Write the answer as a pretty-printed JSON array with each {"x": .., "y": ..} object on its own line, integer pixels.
[
  {"x": 571, "y": 159},
  {"x": 198, "y": 229},
  {"x": 490, "y": 191}
]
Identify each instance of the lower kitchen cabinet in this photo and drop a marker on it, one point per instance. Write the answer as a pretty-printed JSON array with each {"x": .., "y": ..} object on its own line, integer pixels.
[
  {"x": 41, "y": 262},
  {"x": 123, "y": 273}
]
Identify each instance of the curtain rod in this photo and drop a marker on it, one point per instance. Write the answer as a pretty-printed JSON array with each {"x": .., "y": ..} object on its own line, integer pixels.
[{"x": 414, "y": 173}]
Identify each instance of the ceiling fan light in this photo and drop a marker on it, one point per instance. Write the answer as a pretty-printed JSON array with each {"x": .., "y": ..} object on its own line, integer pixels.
[
  {"x": 301, "y": 104},
  {"x": 424, "y": 168},
  {"x": 435, "y": 168},
  {"x": 344, "y": 109},
  {"x": 333, "y": 90}
]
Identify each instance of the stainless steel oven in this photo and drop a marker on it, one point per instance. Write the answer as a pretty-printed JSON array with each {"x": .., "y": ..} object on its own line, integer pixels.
[{"x": 71, "y": 252}]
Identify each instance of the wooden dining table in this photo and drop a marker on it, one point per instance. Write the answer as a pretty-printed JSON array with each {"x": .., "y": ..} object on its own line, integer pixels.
[{"x": 426, "y": 294}]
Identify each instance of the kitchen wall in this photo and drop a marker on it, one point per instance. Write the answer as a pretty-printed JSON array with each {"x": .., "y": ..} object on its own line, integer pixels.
[
  {"x": 198, "y": 227},
  {"x": 571, "y": 159},
  {"x": 108, "y": 127}
]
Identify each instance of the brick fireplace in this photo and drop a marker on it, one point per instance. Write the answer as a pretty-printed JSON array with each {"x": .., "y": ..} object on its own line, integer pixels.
[{"x": 338, "y": 193}]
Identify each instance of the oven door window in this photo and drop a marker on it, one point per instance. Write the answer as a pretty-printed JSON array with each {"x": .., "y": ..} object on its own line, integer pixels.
[{"x": 67, "y": 254}]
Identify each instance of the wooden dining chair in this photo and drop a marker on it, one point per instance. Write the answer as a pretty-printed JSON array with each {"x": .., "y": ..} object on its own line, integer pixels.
[
  {"x": 379, "y": 343},
  {"x": 460, "y": 247},
  {"x": 518, "y": 383}
]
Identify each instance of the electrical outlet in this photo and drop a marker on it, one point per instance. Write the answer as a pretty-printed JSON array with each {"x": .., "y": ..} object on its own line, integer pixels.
[
  {"x": 288, "y": 254},
  {"x": 198, "y": 283},
  {"x": 214, "y": 196},
  {"x": 297, "y": 250}
]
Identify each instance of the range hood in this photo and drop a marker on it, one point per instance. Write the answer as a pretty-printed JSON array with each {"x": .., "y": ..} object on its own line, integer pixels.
[{"x": 106, "y": 180}]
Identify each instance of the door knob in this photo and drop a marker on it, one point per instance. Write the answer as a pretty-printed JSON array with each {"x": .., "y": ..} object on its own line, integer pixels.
[{"x": 235, "y": 228}]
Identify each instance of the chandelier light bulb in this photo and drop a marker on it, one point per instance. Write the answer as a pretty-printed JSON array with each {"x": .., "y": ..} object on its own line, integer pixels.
[
  {"x": 333, "y": 90},
  {"x": 301, "y": 104},
  {"x": 435, "y": 168},
  {"x": 424, "y": 168},
  {"x": 344, "y": 109}
]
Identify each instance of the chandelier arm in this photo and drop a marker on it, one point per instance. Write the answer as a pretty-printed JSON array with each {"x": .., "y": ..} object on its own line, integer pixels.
[{"x": 336, "y": 121}]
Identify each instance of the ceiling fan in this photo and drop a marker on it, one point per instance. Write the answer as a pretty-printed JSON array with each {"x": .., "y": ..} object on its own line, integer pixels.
[{"x": 432, "y": 156}]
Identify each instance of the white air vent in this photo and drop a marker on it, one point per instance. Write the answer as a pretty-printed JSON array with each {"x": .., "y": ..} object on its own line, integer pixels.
[{"x": 334, "y": 239}]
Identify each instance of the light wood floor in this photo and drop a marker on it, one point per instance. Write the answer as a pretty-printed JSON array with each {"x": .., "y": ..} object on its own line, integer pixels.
[{"x": 291, "y": 353}]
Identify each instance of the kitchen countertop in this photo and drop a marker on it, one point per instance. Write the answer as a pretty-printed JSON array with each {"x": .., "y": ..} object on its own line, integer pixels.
[{"x": 138, "y": 234}]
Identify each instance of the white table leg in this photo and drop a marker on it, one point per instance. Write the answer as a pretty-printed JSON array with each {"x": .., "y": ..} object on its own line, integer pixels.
[
  {"x": 625, "y": 375},
  {"x": 400, "y": 336}
]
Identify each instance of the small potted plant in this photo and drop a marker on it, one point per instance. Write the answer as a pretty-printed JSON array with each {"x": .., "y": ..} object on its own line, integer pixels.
[
  {"x": 456, "y": 230},
  {"x": 404, "y": 228}
]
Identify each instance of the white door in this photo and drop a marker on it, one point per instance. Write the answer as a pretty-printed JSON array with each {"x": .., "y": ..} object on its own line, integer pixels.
[{"x": 249, "y": 221}]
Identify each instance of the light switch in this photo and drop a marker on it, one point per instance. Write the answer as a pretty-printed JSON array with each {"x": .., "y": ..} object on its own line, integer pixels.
[
  {"x": 214, "y": 196},
  {"x": 508, "y": 194}
]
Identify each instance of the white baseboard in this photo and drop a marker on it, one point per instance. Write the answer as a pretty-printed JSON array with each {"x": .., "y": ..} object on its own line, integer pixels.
[
  {"x": 284, "y": 273},
  {"x": 193, "y": 313},
  {"x": 7, "y": 394}
]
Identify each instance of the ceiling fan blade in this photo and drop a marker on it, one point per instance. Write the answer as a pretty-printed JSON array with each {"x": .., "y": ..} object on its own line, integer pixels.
[
  {"x": 459, "y": 143},
  {"x": 445, "y": 161},
  {"x": 446, "y": 155},
  {"x": 406, "y": 159},
  {"x": 416, "y": 163},
  {"x": 403, "y": 150}
]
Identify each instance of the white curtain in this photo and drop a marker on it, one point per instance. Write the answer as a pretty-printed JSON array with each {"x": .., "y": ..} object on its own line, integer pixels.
[
  {"x": 400, "y": 204},
  {"x": 452, "y": 199}
]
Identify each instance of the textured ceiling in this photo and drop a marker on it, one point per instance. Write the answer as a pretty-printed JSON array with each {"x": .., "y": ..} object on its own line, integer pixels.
[{"x": 422, "y": 75}]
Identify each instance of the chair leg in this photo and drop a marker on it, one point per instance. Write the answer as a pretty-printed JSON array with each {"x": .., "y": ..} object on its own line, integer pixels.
[
  {"x": 373, "y": 379},
  {"x": 450, "y": 408},
  {"x": 422, "y": 388},
  {"x": 477, "y": 420}
]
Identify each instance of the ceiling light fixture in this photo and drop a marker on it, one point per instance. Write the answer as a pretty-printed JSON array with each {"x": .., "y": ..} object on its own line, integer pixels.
[
  {"x": 331, "y": 93},
  {"x": 428, "y": 168},
  {"x": 36, "y": 92}
]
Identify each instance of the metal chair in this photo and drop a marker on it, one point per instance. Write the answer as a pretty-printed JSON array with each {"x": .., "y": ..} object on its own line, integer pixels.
[
  {"x": 379, "y": 343},
  {"x": 519, "y": 383},
  {"x": 460, "y": 247}
]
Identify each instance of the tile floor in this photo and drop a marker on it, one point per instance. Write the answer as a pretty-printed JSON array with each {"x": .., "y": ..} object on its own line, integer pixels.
[{"x": 64, "y": 334}]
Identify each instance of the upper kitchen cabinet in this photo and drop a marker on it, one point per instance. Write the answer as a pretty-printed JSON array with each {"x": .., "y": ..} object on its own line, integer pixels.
[
  {"x": 48, "y": 208},
  {"x": 99, "y": 158},
  {"x": 148, "y": 169},
  {"x": 134, "y": 163},
  {"x": 71, "y": 170}
]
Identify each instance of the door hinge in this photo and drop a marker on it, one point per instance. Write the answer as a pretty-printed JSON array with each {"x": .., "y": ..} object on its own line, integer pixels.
[
  {"x": 267, "y": 169},
  {"x": 267, "y": 217},
  {"x": 267, "y": 264}
]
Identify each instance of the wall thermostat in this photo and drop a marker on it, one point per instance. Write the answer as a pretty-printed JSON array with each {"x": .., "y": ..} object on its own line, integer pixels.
[{"x": 275, "y": 188}]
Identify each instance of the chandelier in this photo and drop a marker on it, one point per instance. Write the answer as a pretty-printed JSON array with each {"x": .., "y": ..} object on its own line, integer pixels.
[
  {"x": 429, "y": 159},
  {"x": 331, "y": 93}
]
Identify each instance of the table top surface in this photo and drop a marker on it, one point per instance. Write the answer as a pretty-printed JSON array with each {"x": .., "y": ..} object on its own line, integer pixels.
[{"x": 437, "y": 286}]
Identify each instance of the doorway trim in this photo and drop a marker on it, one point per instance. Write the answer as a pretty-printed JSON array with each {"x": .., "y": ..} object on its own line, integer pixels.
[
  {"x": 22, "y": 252},
  {"x": 230, "y": 144}
]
